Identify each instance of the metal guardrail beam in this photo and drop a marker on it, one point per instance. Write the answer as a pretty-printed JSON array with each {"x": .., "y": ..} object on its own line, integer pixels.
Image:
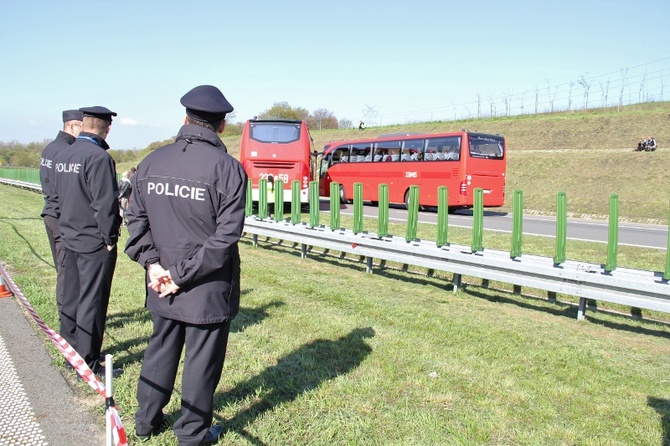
[
  {"x": 23, "y": 184},
  {"x": 634, "y": 288}
]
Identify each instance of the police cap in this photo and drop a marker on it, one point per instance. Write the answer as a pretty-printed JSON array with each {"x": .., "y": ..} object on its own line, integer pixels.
[
  {"x": 206, "y": 103},
  {"x": 72, "y": 115},
  {"x": 98, "y": 112}
]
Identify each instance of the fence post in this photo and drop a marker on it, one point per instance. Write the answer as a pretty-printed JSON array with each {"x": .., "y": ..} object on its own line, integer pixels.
[
  {"x": 412, "y": 213},
  {"x": 517, "y": 224},
  {"x": 613, "y": 234},
  {"x": 561, "y": 228},
  {"x": 666, "y": 274},
  {"x": 249, "y": 204},
  {"x": 279, "y": 200},
  {"x": 334, "y": 206},
  {"x": 442, "y": 216},
  {"x": 262, "y": 198},
  {"x": 358, "y": 208},
  {"x": 296, "y": 205},
  {"x": 478, "y": 221},
  {"x": 383, "y": 209},
  {"x": 314, "y": 204}
]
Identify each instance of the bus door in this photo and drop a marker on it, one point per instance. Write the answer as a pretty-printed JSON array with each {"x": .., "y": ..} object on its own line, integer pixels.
[
  {"x": 486, "y": 167},
  {"x": 329, "y": 171}
]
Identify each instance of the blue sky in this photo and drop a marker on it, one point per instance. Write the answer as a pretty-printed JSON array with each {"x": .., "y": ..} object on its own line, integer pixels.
[{"x": 383, "y": 62}]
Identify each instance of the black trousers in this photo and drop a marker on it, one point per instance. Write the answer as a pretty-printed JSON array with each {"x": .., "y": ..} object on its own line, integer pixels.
[
  {"x": 86, "y": 288},
  {"x": 51, "y": 225},
  {"x": 203, "y": 363}
]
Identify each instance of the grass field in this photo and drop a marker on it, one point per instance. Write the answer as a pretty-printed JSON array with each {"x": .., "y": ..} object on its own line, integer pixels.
[{"x": 324, "y": 354}]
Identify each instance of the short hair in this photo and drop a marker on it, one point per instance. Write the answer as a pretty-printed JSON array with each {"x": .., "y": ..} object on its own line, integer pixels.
[
  {"x": 211, "y": 124},
  {"x": 96, "y": 124}
]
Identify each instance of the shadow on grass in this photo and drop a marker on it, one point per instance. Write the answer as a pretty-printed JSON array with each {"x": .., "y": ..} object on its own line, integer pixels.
[
  {"x": 298, "y": 372},
  {"x": 30, "y": 246},
  {"x": 662, "y": 406}
]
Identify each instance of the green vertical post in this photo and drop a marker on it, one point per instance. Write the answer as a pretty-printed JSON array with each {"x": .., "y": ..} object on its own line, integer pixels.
[
  {"x": 666, "y": 274},
  {"x": 358, "y": 208},
  {"x": 279, "y": 200},
  {"x": 517, "y": 224},
  {"x": 561, "y": 227},
  {"x": 249, "y": 204},
  {"x": 613, "y": 234},
  {"x": 334, "y": 206},
  {"x": 412, "y": 213},
  {"x": 442, "y": 215},
  {"x": 478, "y": 221},
  {"x": 262, "y": 198},
  {"x": 383, "y": 208},
  {"x": 296, "y": 205},
  {"x": 314, "y": 206}
]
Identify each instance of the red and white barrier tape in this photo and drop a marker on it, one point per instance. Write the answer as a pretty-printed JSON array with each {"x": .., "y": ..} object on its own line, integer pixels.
[{"x": 72, "y": 357}]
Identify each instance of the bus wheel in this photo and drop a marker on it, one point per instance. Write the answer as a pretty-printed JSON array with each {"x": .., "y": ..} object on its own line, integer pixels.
[
  {"x": 343, "y": 197},
  {"x": 421, "y": 208}
]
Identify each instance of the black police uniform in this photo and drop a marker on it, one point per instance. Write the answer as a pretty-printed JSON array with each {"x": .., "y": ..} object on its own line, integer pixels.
[
  {"x": 187, "y": 213},
  {"x": 88, "y": 221},
  {"x": 62, "y": 141}
]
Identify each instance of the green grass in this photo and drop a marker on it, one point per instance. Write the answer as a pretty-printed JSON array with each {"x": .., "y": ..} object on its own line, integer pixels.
[{"x": 324, "y": 354}]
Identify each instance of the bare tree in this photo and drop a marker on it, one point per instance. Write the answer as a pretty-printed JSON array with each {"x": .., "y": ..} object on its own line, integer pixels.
[
  {"x": 585, "y": 85},
  {"x": 537, "y": 96},
  {"x": 479, "y": 105},
  {"x": 639, "y": 94},
  {"x": 492, "y": 105},
  {"x": 572, "y": 85},
  {"x": 623, "y": 85},
  {"x": 507, "y": 99},
  {"x": 604, "y": 91},
  {"x": 663, "y": 79}
]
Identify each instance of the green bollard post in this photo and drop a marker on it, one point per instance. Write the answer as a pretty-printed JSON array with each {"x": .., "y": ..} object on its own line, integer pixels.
[
  {"x": 334, "y": 206},
  {"x": 442, "y": 215},
  {"x": 517, "y": 224},
  {"x": 263, "y": 199},
  {"x": 249, "y": 204},
  {"x": 358, "y": 208},
  {"x": 314, "y": 205},
  {"x": 412, "y": 213},
  {"x": 478, "y": 221},
  {"x": 296, "y": 205},
  {"x": 279, "y": 200},
  {"x": 383, "y": 211},
  {"x": 613, "y": 235},
  {"x": 561, "y": 228}
]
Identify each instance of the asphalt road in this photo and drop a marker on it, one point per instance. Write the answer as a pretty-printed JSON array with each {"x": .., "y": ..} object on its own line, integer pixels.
[{"x": 631, "y": 234}]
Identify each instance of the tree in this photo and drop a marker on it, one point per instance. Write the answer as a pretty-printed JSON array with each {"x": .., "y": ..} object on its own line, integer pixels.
[
  {"x": 585, "y": 85},
  {"x": 322, "y": 119},
  {"x": 282, "y": 110}
]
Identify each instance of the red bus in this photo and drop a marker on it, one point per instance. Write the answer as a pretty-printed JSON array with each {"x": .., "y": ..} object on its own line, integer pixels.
[
  {"x": 277, "y": 150},
  {"x": 461, "y": 161}
]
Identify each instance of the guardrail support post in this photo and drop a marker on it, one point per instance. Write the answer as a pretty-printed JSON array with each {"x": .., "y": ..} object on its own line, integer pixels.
[
  {"x": 442, "y": 216},
  {"x": 334, "y": 206},
  {"x": 383, "y": 209},
  {"x": 263, "y": 198},
  {"x": 368, "y": 265},
  {"x": 296, "y": 205},
  {"x": 457, "y": 282},
  {"x": 478, "y": 221},
  {"x": 613, "y": 234},
  {"x": 561, "y": 228},
  {"x": 517, "y": 224},
  {"x": 358, "y": 208},
  {"x": 581, "y": 310}
]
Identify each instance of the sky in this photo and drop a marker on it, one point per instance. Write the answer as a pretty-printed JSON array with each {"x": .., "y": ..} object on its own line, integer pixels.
[{"x": 379, "y": 61}]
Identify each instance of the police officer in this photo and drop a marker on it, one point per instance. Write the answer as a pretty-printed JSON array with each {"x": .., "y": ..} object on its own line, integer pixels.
[
  {"x": 72, "y": 122},
  {"x": 88, "y": 221},
  {"x": 184, "y": 223}
]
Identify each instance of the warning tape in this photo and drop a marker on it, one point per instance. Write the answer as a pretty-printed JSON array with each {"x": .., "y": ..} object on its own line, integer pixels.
[{"x": 73, "y": 358}]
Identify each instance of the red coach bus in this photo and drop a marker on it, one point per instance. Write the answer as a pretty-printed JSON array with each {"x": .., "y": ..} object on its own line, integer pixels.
[
  {"x": 277, "y": 150},
  {"x": 461, "y": 161}
]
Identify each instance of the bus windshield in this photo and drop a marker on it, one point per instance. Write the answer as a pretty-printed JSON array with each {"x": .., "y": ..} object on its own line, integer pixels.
[{"x": 274, "y": 132}]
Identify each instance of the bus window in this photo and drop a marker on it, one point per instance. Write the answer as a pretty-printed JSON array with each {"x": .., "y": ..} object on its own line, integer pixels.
[
  {"x": 340, "y": 155},
  {"x": 485, "y": 147},
  {"x": 412, "y": 150},
  {"x": 384, "y": 149},
  {"x": 442, "y": 149},
  {"x": 361, "y": 152},
  {"x": 277, "y": 133}
]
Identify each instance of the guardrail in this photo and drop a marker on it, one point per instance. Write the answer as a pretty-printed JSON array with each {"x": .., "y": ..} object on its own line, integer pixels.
[{"x": 638, "y": 289}]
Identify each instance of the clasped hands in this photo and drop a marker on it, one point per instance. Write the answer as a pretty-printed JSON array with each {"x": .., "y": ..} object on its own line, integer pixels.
[{"x": 160, "y": 280}]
